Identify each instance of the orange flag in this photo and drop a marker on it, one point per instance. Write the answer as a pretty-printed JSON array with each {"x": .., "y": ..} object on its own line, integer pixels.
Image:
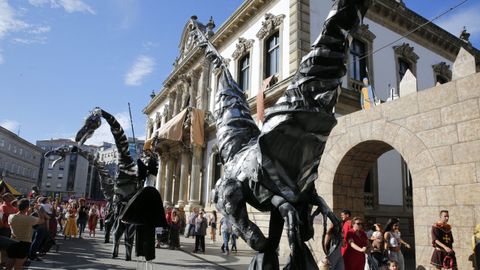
[{"x": 260, "y": 99}]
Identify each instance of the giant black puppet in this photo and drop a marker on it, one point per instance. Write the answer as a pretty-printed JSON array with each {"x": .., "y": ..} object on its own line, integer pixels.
[
  {"x": 137, "y": 210},
  {"x": 274, "y": 169},
  {"x": 106, "y": 181}
]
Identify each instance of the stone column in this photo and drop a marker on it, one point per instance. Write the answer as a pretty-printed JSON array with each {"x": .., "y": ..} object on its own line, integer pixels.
[
  {"x": 168, "y": 182},
  {"x": 171, "y": 102},
  {"x": 176, "y": 180},
  {"x": 184, "y": 172},
  {"x": 160, "y": 183},
  {"x": 203, "y": 85},
  {"x": 194, "y": 196},
  {"x": 165, "y": 114},
  {"x": 193, "y": 87},
  {"x": 178, "y": 100}
]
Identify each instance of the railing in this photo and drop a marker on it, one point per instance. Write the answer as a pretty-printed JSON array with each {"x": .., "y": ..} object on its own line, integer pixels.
[
  {"x": 355, "y": 85},
  {"x": 409, "y": 201},
  {"x": 368, "y": 200}
]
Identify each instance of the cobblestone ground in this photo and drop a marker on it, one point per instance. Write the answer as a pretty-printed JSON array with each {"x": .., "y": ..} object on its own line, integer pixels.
[{"x": 92, "y": 253}]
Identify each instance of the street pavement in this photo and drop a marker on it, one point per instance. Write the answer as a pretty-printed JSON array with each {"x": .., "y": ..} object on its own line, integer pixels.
[{"x": 93, "y": 253}]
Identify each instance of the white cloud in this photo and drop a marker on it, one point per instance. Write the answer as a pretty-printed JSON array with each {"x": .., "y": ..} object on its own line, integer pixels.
[
  {"x": 142, "y": 67},
  {"x": 455, "y": 22},
  {"x": 69, "y": 6},
  {"x": 39, "y": 29},
  {"x": 8, "y": 21},
  {"x": 32, "y": 40},
  {"x": 10, "y": 125}
]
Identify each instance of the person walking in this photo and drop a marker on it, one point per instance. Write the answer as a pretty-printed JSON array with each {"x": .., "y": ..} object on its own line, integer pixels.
[
  {"x": 213, "y": 225},
  {"x": 346, "y": 226},
  {"x": 233, "y": 237},
  {"x": 190, "y": 229},
  {"x": 82, "y": 217},
  {"x": 21, "y": 225},
  {"x": 393, "y": 242},
  {"x": 174, "y": 232},
  {"x": 70, "y": 228},
  {"x": 443, "y": 256},
  {"x": 200, "y": 232},
  {"x": 357, "y": 246},
  {"x": 40, "y": 231},
  {"x": 92, "y": 220},
  {"x": 225, "y": 230}
]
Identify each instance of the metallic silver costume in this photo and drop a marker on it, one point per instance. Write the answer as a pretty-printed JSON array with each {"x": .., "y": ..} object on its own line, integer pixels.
[
  {"x": 137, "y": 210},
  {"x": 274, "y": 169}
]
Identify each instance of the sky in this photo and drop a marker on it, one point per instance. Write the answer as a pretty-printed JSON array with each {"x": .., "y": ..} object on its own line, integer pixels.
[{"x": 61, "y": 58}]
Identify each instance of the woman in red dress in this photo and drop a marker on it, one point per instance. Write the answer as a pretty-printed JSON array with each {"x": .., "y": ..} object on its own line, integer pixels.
[
  {"x": 357, "y": 246},
  {"x": 92, "y": 220}
]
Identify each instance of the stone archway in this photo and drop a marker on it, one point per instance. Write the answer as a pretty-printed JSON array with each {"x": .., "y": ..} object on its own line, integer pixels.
[
  {"x": 350, "y": 175},
  {"x": 437, "y": 133}
]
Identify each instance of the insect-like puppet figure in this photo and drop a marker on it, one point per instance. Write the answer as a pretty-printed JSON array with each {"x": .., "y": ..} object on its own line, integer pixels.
[
  {"x": 136, "y": 210},
  {"x": 106, "y": 181},
  {"x": 274, "y": 169}
]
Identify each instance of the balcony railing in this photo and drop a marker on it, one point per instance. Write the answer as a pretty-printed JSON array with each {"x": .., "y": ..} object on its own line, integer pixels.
[
  {"x": 368, "y": 200},
  {"x": 355, "y": 85}
]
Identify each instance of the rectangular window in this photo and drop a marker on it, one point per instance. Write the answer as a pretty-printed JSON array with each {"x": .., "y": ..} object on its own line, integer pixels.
[
  {"x": 49, "y": 175},
  {"x": 272, "y": 55},
  {"x": 2, "y": 143},
  {"x": 244, "y": 72},
  {"x": 402, "y": 67},
  {"x": 358, "y": 61},
  {"x": 60, "y": 176}
]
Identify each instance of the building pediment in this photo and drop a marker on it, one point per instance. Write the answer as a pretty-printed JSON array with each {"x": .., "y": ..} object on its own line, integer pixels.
[{"x": 188, "y": 39}]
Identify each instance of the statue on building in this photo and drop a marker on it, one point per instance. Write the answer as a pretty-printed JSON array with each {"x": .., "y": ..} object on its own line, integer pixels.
[
  {"x": 368, "y": 98},
  {"x": 274, "y": 169},
  {"x": 137, "y": 210}
]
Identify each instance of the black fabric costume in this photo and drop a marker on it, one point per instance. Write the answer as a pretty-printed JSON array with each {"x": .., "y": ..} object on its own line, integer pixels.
[{"x": 443, "y": 233}]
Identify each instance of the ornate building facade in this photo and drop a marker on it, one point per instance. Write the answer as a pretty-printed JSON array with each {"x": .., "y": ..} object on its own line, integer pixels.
[{"x": 263, "y": 42}]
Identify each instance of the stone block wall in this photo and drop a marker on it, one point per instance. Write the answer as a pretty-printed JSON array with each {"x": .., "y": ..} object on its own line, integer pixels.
[{"x": 437, "y": 132}]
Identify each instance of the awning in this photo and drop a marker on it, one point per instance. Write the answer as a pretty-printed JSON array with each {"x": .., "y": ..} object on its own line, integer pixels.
[
  {"x": 9, "y": 188},
  {"x": 173, "y": 129}
]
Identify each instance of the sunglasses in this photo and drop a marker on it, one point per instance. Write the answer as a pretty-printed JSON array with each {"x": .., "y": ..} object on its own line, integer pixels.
[{"x": 359, "y": 223}]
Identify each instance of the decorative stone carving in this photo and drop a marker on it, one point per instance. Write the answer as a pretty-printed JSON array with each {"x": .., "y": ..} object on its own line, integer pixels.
[
  {"x": 150, "y": 123},
  {"x": 184, "y": 78},
  {"x": 209, "y": 118},
  {"x": 406, "y": 51},
  {"x": 270, "y": 24},
  {"x": 165, "y": 110},
  {"x": 443, "y": 70},
  {"x": 242, "y": 47},
  {"x": 363, "y": 32},
  {"x": 194, "y": 74}
]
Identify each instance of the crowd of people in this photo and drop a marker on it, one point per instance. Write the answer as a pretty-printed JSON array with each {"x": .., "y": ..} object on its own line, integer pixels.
[
  {"x": 198, "y": 225},
  {"x": 29, "y": 226},
  {"x": 370, "y": 246}
]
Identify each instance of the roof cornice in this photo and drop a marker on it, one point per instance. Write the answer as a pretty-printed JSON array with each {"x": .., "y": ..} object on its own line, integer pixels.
[{"x": 399, "y": 18}]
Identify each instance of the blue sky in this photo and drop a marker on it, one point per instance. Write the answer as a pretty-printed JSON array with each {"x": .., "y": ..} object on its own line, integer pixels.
[{"x": 61, "y": 58}]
